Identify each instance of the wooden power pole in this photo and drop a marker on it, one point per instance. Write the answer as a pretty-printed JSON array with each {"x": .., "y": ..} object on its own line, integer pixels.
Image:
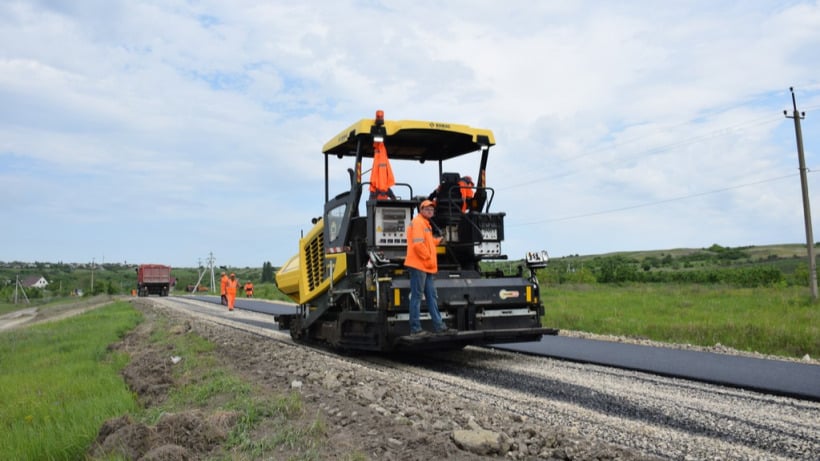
[{"x": 797, "y": 116}]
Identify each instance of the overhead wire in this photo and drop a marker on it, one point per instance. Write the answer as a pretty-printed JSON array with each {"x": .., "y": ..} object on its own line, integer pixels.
[
  {"x": 657, "y": 202},
  {"x": 649, "y": 152},
  {"x": 654, "y": 151}
]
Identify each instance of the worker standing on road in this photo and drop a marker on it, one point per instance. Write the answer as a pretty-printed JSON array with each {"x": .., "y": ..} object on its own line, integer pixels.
[
  {"x": 422, "y": 263},
  {"x": 224, "y": 287},
  {"x": 231, "y": 287},
  {"x": 249, "y": 289}
]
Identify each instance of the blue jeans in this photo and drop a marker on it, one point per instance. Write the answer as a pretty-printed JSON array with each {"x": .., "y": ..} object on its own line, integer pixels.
[{"x": 422, "y": 281}]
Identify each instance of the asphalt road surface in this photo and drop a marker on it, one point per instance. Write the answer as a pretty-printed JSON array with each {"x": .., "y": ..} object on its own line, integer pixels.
[{"x": 778, "y": 377}]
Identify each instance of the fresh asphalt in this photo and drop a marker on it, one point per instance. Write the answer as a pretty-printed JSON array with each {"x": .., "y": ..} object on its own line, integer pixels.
[
  {"x": 262, "y": 306},
  {"x": 778, "y": 377}
]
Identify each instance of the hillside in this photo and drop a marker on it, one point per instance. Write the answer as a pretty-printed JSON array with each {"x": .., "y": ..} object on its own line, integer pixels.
[
  {"x": 758, "y": 253},
  {"x": 785, "y": 257}
]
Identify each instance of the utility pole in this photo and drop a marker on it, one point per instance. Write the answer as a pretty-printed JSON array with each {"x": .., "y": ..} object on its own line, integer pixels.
[
  {"x": 211, "y": 260},
  {"x": 797, "y": 116},
  {"x": 17, "y": 283},
  {"x": 200, "y": 271}
]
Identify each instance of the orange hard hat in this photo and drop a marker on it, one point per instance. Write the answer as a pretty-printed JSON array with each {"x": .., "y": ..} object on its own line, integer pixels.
[{"x": 427, "y": 203}]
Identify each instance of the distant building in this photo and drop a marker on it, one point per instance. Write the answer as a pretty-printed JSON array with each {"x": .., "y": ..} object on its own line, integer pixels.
[{"x": 34, "y": 281}]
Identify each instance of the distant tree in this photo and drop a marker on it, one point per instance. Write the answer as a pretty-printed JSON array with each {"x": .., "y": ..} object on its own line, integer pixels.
[
  {"x": 616, "y": 269},
  {"x": 267, "y": 272},
  {"x": 649, "y": 262}
]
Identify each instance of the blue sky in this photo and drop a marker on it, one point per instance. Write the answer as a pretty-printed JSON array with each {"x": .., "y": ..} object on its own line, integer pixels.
[{"x": 164, "y": 131}]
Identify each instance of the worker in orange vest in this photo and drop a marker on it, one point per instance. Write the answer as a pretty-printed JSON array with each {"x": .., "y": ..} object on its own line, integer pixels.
[
  {"x": 230, "y": 289},
  {"x": 422, "y": 264},
  {"x": 224, "y": 287},
  {"x": 249, "y": 290},
  {"x": 466, "y": 185}
]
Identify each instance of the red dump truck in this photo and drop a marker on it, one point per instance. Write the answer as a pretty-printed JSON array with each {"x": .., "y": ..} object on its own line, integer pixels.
[{"x": 153, "y": 279}]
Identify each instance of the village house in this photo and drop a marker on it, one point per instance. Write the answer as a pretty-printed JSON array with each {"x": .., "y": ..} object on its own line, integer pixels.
[{"x": 34, "y": 281}]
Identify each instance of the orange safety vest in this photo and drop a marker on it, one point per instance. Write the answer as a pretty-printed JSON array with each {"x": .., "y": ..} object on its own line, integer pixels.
[
  {"x": 421, "y": 246},
  {"x": 467, "y": 193},
  {"x": 231, "y": 287},
  {"x": 224, "y": 284}
]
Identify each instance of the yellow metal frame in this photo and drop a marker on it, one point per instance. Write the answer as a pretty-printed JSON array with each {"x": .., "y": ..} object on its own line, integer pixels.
[
  {"x": 394, "y": 127},
  {"x": 304, "y": 276},
  {"x": 288, "y": 276}
]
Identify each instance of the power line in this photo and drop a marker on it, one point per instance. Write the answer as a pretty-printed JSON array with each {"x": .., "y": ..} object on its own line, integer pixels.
[
  {"x": 658, "y": 202},
  {"x": 649, "y": 152}
]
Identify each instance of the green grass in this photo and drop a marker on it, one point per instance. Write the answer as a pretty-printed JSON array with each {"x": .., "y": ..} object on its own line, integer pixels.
[
  {"x": 773, "y": 320},
  {"x": 60, "y": 383}
]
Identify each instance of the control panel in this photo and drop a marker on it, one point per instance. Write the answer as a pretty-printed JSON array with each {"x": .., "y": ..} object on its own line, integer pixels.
[{"x": 391, "y": 226}]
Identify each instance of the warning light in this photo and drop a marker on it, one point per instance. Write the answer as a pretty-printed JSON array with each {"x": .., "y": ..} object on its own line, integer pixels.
[{"x": 379, "y": 117}]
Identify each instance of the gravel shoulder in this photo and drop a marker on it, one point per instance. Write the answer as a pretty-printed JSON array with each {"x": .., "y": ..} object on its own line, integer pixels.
[
  {"x": 377, "y": 409},
  {"x": 509, "y": 406}
]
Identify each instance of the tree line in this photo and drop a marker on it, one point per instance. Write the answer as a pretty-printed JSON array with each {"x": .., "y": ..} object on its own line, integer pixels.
[
  {"x": 714, "y": 265},
  {"x": 86, "y": 279}
]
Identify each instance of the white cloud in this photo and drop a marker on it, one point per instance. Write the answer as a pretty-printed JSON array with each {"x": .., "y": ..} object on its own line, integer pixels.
[{"x": 619, "y": 126}]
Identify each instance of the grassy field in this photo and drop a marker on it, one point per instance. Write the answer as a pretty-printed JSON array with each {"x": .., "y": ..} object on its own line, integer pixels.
[
  {"x": 60, "y": 383},
  {"x": 760, "y": 252},
  {"x": 772, "y": 320}
]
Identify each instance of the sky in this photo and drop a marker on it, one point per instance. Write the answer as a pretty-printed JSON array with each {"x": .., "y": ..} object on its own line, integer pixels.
[{"x": 175, "y": 131}]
